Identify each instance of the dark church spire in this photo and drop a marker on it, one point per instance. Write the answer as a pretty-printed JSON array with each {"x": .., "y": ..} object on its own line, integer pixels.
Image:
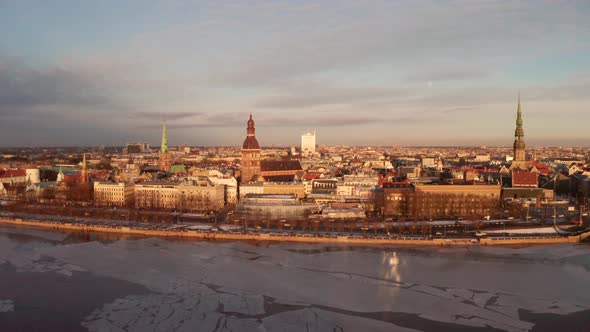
[
  {"x": 519, "y": 132},
  {"x": 519, "y": 145},
  {"x": 251, "y": 131}
]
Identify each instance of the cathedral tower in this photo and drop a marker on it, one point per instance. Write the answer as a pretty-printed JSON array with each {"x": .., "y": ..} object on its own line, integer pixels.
[{"x": 250, "y": 154}]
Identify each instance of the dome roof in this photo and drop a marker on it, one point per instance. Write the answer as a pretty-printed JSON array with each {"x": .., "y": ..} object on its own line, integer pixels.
[
  {"x": 519, "y": 144},
  {"x": 250, "y": 143}
]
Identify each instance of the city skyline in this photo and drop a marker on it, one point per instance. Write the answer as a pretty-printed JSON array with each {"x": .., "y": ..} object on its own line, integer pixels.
[
  {"x": 300, "y": 165},
  {"x": 163, "y": 147},
  {"x": 359, "y": 74}
]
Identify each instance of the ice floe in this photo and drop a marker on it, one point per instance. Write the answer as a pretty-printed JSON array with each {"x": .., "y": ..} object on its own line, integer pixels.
[
  {"x": 6, "y": 306},
  {"x": 242, "y": 287}
]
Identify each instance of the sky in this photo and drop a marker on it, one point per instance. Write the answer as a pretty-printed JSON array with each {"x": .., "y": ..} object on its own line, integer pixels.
[{"x": 358, "y": 72}]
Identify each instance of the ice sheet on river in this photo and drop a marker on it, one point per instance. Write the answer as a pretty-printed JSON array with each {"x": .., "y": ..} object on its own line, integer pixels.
[
  {"x": 32, "y": 232},
  {"x": 28, "y": 257},
  {"x": 6, "y": 305},
  {"x": 242, "y": 287}
]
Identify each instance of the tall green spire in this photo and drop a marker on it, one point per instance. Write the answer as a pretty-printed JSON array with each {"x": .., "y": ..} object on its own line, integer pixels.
[
  {"x": 519, "y": 132},
  {"x": 519, "y": 145},
  {"x": 164, "y": 146}
]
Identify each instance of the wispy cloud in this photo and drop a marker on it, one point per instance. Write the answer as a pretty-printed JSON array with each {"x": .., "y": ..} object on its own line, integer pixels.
[
  {"x": 457, "y": 109},
  {"x": 448, "y": 74},
  {"x": 306, "y": 94},
  {"x": 293, "y": 64},
  {"x": 160, "y": 116},
  {"x": 23, "y": 88}
]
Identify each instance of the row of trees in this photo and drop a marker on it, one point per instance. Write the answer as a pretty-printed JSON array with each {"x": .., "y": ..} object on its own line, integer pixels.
[
  {"x": 70, "y": 192},
  {"x": 94, "y": 212},
  {"x": 374, "y": 226}
]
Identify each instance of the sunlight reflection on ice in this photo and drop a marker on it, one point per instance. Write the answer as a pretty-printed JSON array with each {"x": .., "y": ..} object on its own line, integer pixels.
[{"x": 391, "y": 263}]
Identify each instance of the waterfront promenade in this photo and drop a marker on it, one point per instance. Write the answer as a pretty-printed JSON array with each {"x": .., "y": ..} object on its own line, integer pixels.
[{"x": 236, "y": 234}]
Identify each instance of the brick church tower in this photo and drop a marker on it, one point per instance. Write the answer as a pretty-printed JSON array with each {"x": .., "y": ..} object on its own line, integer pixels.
[{"x": 250, "y": 154}]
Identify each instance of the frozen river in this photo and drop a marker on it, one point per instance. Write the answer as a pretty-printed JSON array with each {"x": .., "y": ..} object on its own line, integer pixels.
[{"x": 55, "y": 281}]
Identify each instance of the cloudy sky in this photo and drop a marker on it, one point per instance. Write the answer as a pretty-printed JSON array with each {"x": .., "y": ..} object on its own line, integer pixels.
[{"x": 358, "y": 72}]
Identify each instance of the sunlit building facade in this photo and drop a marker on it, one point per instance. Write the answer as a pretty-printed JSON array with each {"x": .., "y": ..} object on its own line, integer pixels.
[
  {"x": 114, "y": 194},
  {"x": 308, "y": 144}
]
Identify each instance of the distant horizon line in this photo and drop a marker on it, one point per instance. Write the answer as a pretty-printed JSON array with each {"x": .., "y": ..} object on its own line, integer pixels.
[{"x": 482, "y": 146}]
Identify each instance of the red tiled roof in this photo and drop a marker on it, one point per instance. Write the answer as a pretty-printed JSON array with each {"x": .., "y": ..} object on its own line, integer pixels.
[
  {"x": 524, "y": 179},
  {"x": 279, "y": 178},
  {"x": 72, "y": 178},
  {"x": 542, "y": 168},
  {"x": 6, "y": 173},
  {"x": 311, "y": 175},
  {"x": 275, "y": 165},
  {"x": 101, "y": 175}
]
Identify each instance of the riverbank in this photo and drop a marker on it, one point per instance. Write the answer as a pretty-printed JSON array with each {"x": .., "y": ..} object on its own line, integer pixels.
[{"x": 173, "y": 232}]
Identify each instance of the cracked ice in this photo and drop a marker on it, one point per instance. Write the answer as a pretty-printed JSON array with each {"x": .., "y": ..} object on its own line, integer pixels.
[
  {"x": 6, "y": 305},
  {"x": 243, "y": 287}
]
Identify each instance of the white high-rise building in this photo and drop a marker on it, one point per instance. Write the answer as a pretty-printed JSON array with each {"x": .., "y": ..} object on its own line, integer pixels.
[{"x": 308, "y": 144}]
